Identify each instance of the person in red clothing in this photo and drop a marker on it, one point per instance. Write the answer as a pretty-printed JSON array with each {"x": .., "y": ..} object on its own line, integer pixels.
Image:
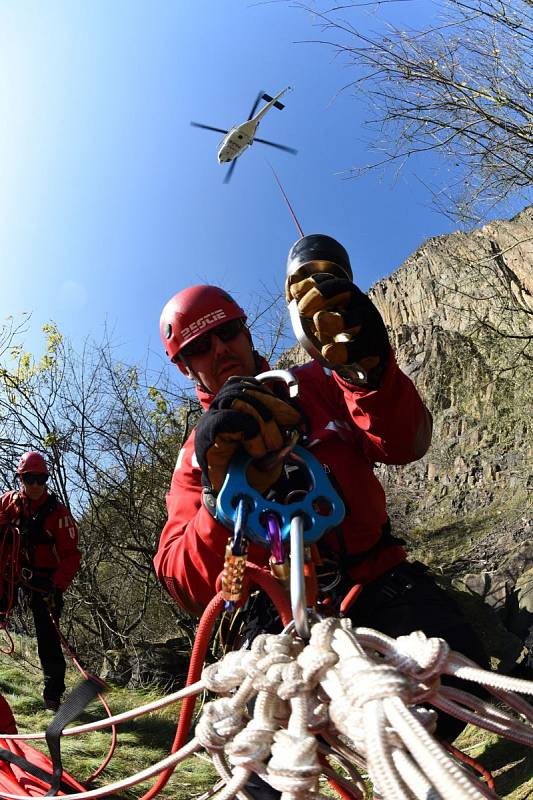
[
  {"x": 359, "y": 411},
  {"x": 40, "y": 556},
  {"x": 7, "y": 720}
]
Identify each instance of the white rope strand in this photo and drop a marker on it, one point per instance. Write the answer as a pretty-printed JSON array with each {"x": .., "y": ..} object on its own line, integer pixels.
[
  {"x": 106, "y": 722},
  {"x": 139, "y": 777}
]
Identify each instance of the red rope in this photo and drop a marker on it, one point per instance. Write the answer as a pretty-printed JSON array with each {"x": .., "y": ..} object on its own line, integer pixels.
[
  {"x": 350, "y": 598},
  {"x": 293, "y": 215},
  {"x": 9, "y": 578},
  {"x": 338, "y": 784},
  {"x": 460, "y": 756},
  {"x": 201, "y": 642}
]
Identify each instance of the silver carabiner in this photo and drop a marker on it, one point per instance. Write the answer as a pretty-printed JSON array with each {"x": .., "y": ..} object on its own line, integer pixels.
[
  {"x": 284, "y": 375},
  {"x": 298, "y": 596},
  {"x": 271, "y": 460}
]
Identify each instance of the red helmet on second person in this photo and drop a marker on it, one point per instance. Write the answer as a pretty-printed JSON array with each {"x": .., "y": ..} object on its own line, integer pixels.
[
  {"x": 32, "y": 462},
  {"x": 192, "y": 312}
]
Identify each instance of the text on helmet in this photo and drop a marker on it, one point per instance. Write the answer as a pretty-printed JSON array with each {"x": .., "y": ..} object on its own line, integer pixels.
[{"x": 201, "y": 323}]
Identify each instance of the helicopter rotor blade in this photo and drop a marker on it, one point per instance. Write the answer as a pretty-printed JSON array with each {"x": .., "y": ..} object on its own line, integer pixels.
[
  {"x": 278, "y": 146},
  {"x": 257, "y": 101},
  {"x": 207, "y": 127},
  {"x": 229, "y": 173}
]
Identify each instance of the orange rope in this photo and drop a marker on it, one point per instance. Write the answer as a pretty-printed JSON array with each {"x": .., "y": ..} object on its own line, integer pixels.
[{"x": 460, "y": 756}]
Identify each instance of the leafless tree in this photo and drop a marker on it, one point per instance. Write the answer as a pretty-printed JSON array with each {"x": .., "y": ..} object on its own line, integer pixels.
[
  {"x": 460, "y": 87},
  {"x": 111, "y": 433},
  {"x": 111, "y": 437}
]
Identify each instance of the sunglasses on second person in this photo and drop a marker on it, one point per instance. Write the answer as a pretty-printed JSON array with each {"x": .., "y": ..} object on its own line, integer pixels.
[
  {"x": 30, "y": 478},
  {"x": 202, "y": 344}
]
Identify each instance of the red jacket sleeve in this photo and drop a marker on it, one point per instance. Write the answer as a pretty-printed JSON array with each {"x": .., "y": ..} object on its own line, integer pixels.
[
  {"x": 8, "y": 509},
  {"x": 396, "y": 424},
  {"x": 65, "y": 532},
  {"x": 191, "y": 549}
]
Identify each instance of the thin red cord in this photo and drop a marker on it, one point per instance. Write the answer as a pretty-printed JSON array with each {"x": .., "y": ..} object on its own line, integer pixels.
[
  {"x": 9, "y": 577},
  {"x": 293, "y": 215},
  {"x": 350, "y": 598},
  {"x": 460, "y": 756}
]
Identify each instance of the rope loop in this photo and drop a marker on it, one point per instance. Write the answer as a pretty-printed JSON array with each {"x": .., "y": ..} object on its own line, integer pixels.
[
  {"x": 250, "y": 748},
  {"x": 294, "y": 766},
  {"x": 365, "y": 682},
  {"x": 293, "y": 683},
  {"x": 228, "y": 674},
  {"x": 220, "y": 722},
  {"x": 419, "y": 656}
]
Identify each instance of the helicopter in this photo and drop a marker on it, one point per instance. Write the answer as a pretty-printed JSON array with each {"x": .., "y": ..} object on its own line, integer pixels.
[{"x": 240, "y": 137}]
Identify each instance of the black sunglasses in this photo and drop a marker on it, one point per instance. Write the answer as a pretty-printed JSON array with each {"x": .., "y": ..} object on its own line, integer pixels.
[
  {"x": 202, "y": 344},
  {"x": 30, "y": 478}
]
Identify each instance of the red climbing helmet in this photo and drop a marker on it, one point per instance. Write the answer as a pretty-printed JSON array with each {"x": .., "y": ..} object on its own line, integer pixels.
[
  {"x": 32, "y": 462},
  {"x": 192, "y": 312}
]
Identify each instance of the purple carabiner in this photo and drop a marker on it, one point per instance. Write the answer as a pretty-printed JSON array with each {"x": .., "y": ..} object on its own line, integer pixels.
[{"x": 274, "y": 537}]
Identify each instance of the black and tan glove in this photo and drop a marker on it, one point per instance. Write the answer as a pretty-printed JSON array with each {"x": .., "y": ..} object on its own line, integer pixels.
[
  {"x": 346, "y": 322},
  {"x": 244, "y": 413}
]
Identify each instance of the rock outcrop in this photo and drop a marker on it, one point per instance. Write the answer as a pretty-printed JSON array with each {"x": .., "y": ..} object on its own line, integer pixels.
[{"x": 460, "y": 313}]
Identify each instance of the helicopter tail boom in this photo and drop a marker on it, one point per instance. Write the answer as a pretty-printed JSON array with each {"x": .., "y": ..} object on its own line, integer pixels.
[{"x": 277, "y": 104}]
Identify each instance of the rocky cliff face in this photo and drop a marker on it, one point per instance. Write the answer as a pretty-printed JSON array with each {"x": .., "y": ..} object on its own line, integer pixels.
[
  {"x": 460, "y": 314},
  {"x": 459, "y": 311}
]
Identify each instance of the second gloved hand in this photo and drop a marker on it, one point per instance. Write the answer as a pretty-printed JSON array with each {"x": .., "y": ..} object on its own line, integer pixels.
[
  {"x": 244, "y": 413},
  {"x": 346, "y": 322}
]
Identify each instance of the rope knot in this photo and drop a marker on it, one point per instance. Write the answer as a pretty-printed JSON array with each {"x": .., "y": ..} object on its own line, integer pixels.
[
  {"x": 420, "y": 657},
  {"x": 250, "y": 748},
  {"x": 220, "y": 721},
  {"x": 292, "y": 683},
  {"x": 270, "y": 655},
  {"x": 318, "y": 657},
  {"x": 294, "y": 766},
  {"x": 228, "y": 674},
  {"x": 365, "y": 681}
]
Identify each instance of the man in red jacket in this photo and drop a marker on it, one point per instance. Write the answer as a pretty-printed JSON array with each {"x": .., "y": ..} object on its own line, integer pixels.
[
  {"x": 41, "y": 557},
  {"x": 352, "y": 417}
]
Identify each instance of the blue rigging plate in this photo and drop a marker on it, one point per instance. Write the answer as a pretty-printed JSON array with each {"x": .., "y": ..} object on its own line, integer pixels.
[{"x": 321, "y": 508}]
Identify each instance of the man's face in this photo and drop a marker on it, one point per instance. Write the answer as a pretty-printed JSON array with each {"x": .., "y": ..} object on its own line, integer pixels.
[
  {"x": 223, "y": 360},
  {"x": 34, "y": 486}
]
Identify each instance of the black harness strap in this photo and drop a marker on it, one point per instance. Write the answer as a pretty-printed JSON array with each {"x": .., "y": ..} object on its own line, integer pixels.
[
  {"x": 386, "y": 539},
  {"x": 31, "y": 527},
  {"x": 32, "y": 769},
  {"x": 69, "y": 710}
]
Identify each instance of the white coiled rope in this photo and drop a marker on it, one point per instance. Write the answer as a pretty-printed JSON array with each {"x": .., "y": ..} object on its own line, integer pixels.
[
  {"x": 361, "y": 691},
  {"x": 351, "y": 694}
]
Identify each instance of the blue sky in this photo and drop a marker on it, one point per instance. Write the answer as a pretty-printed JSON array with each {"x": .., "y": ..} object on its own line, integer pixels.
[{"x": 110, "y": 201}]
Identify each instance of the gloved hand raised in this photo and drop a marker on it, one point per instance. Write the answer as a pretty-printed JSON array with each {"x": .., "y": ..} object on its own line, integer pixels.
[
  {"x": 244, "y": 413},
  {"x": 346, "y": 322}
]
